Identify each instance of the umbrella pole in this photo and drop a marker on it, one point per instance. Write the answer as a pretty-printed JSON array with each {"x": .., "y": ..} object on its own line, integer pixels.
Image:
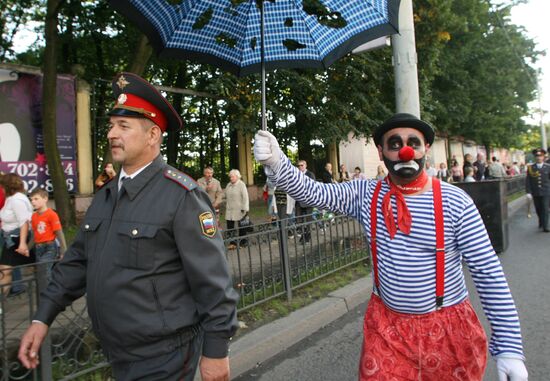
[{"x": 262, "y": 43}]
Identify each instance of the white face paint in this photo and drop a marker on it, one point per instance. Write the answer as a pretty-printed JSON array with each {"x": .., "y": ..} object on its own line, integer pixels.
[{"x": 409, "y": 164}]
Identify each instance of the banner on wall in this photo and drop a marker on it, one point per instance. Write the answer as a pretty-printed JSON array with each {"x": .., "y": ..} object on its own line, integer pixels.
[{"x": 21, "y": 138}]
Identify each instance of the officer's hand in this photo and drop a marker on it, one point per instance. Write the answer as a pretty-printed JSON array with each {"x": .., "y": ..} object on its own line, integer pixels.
[
  {"x": 267, "y": 151},
  {"x": 511, "y": 369},
  {"x": 214, "y": 369},
  {"x": 30, "y": 345}
]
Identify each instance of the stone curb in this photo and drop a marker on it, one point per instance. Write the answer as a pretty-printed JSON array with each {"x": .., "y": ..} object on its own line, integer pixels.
[{"x": 267, "y": 341}]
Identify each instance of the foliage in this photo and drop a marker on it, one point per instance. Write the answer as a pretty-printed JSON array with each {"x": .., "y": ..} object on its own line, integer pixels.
[{"x": 473, "y": 66}]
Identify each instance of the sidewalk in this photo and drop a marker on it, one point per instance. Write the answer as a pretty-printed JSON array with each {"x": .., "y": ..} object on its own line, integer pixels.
[{"x": 267, "y": 341}]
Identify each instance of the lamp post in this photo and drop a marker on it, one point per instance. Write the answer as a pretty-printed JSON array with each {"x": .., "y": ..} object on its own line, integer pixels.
[
  {"x": 542, "y": 127},
  {"x": 405, "y": 62}
]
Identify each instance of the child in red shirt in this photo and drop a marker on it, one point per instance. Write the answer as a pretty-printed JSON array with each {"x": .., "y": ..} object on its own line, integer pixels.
[{"x": 46, "y": 228}]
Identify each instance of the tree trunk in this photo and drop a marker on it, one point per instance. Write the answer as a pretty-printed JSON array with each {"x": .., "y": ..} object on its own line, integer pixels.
[
  {"x": 49, "y": 88},
  {"x": 223, "y": 169},
  {"x": 174, "y": 137},
  {"x": 233, "y": 152},
  {"x": 304, "y": 145},
  {"x": 141, "y": 57}
]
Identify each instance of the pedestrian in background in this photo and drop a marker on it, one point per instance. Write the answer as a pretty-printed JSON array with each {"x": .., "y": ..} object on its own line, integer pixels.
[
  {"x": 380, "y": 173},
  {"x": 304, "y": 211},
  {"x": 46, "y": 229},
  {"x": 443, "y": 174},
  {"x": 468, "y": 162},
  {"x": 271, "y": 202},
  {"x": 148, "y": 257},
  {"x": 212, "y": 187},
  {"x": 326, "y": 174},
  {"x": 480, "y": 166},
  {"x": 430, "y": 170},
  {"x": 15, "y": 216},
  {"x": 469, "y": 175},
  {"x": 456, "y": 172},
  {"x": 344, "y": 174},
  {"x": 537, "y": 186},
  {"x": 236, "y": 205},
  {"x": 495, "y": 169},
  {"x": 357, "y": 175},
  {"x": 106, "y": 175}
]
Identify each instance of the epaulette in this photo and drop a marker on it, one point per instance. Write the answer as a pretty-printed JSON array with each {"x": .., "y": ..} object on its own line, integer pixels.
[{"x": 182, "y": 179}]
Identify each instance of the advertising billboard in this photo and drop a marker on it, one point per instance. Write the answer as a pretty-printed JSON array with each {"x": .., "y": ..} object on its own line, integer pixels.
[{"x": 21, "y": 138}]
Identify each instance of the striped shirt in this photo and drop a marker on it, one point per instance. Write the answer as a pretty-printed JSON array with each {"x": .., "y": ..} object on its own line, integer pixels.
[{"x": 406, "y": 264}]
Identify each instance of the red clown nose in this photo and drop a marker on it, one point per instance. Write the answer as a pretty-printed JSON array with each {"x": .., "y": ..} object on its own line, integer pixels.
[{"x": 406, "y": 153}]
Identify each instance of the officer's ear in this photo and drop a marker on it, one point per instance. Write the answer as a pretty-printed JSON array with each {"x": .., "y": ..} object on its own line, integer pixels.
[{"x": 155, "y": 134}]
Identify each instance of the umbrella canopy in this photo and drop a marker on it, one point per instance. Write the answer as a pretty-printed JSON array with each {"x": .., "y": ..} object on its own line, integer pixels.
[{"x": 227, "y": 33}]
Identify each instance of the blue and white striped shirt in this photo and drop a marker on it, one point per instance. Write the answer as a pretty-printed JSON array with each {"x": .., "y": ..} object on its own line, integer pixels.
[{"x": 406, "y": 264}]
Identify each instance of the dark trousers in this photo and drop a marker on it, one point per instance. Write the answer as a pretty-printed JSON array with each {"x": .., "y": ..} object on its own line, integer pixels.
[
  {"x": 303, "y": 216},
  {"x": 179, "y": 365},
  {"x": 240, "y": 232},
  {"x": 541, "y": 206}
]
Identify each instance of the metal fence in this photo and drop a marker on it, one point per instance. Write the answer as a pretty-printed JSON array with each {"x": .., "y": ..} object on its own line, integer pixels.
[
  {"x": 515, "y": 184},
  {"x": 270, "y": 261}
]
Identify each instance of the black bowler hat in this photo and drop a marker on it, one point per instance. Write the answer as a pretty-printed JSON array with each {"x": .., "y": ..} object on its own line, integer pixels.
[
  {"x": 539, "y": 151},
  {"x": 404, "y": 120},
  {"x": 135, "y": 97}
]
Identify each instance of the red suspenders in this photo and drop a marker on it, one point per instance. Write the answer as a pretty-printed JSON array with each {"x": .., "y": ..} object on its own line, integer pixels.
[{"x": 439, "y": 239}]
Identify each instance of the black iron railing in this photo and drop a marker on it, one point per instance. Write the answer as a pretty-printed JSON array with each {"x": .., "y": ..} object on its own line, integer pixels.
[{"x": 270, "y": 261}]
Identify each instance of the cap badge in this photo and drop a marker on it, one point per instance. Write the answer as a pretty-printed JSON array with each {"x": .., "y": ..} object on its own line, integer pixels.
[
  {"x": 122, "y": 98},
  {"x": 122, "y": 82}
]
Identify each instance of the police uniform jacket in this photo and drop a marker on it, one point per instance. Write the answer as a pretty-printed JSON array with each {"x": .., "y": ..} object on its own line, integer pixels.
[
  {"x": 152, "y": 265},
  {"x": 538, "y": 180}
]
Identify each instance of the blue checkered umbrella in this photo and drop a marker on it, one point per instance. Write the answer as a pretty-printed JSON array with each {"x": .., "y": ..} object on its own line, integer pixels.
[{"x": 238, "y": 36}]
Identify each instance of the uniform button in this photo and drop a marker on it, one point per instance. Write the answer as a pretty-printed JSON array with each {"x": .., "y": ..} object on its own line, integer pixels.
[
  {"x": 86, "y": 227},
  {"x": 134, "y": 232}
]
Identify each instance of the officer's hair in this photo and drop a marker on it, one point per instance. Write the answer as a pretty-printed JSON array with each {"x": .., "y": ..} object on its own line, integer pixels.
[
  {"x": 147, "y": 124},
  {"x": 236, "y": 173}
]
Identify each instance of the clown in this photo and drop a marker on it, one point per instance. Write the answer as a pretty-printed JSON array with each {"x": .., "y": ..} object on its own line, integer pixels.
[{"x": 419, "y": 323}]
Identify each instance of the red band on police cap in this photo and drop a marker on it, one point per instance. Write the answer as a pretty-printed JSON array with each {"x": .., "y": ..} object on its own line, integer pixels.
[{"x": 139, "y": 105}]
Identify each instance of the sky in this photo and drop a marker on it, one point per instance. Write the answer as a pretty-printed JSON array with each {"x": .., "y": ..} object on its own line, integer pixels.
[{"x": 533, "y": 15}]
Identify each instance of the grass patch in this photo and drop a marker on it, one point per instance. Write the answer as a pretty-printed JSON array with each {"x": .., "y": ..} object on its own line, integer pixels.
[
  {"x": 515, "y": 196},
  {"x": 257, "y": 212},
  {"x": 279, "y": 307},
  {"x": 70, "y": 233}
]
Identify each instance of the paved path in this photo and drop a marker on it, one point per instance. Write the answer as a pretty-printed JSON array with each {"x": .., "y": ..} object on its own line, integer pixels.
[{"x": 332, "y": 353}]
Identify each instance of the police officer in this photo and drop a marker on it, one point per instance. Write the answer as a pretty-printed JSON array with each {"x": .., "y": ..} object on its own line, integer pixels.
[
  {"x": 148, "y": 256},
  {"x": 537, "y": 186}
]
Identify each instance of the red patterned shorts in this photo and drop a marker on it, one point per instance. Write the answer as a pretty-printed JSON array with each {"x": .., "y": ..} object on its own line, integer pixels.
[{"x": 445, "y": 345}]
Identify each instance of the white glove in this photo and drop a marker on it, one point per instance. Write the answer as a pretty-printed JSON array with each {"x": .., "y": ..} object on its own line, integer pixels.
[
  {"x": 511, "y": 369},
  {"x": 267, "y": 151},
  {"x": 529, "y": 196}
]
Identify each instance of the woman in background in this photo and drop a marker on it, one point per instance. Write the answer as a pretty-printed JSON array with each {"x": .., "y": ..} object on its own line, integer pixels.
[
  {"x": 15, "y": 216},
  {"x": 236, "y": 204},
  {"x": 380, "y": 173}
]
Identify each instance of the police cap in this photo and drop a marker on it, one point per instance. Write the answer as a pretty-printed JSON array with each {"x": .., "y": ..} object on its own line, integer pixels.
[
  {"x": 404, "y": 120},
  {"x": 539, "y": 151},
  {"x": 135, "y": 97}
]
